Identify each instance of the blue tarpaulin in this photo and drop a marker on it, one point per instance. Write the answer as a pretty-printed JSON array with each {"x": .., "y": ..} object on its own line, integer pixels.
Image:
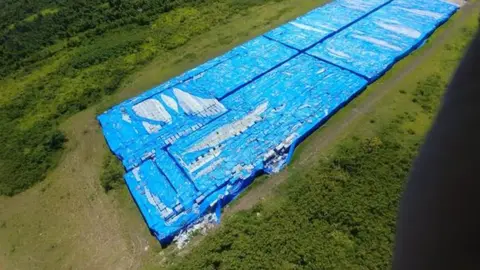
[
  {"x": 159, "y": 117},
  {"x": 323, "y": 22},
  {"x": 195, "y": 142},
  {"x": 372, "y": 45}
]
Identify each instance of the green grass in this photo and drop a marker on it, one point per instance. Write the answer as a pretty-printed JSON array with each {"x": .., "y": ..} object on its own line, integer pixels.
[
  {"x": 112, "y": 172},
  {"x": 49, "y": 11},
  {"x": 43, "y": 12}
]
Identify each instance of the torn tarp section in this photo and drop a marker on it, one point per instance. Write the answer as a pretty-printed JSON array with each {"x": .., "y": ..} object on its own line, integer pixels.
[{"x": 160, "y": 205}]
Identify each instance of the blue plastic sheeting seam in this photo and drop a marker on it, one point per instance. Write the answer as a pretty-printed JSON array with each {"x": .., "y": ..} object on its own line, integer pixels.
[
  {"x": 319, "y": 24},
  {"x": 371, "y": 46},
  {"x": 136, "y": 127}
]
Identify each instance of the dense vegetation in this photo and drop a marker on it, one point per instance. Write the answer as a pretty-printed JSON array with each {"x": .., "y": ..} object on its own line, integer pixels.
[
  {"x": 77, "y": 21},
  {"x": 57, "y": 57},
  {"x": 112, "y": 173},
  {"x": 338, "y": 214}
]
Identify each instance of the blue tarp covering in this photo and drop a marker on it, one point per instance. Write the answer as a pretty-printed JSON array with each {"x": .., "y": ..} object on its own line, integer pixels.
[
  {"x": 195, "y": 142},
  {"x": 323, "y": 22},
  {"x": 161, "y": 116},
  {"x": 372, "y": 45},
  {"x": 262, "y": 120},
  {"x": 265, "y": 117}
]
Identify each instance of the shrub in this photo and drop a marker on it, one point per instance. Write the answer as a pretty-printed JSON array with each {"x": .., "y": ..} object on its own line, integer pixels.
[{"x": 112, "y": 172}]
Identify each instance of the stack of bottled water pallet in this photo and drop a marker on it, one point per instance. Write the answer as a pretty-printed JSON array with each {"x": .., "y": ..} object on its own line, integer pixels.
[{"x": 195, "y": 142}]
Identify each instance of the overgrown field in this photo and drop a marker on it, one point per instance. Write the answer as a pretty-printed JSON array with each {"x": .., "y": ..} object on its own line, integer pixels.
[
  {"x": 340, "y": 213},
  {"x": 59, "y": 57}
]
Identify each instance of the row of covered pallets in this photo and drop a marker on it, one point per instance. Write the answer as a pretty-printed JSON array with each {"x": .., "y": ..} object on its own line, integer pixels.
[{"x": 195, "y": 142}]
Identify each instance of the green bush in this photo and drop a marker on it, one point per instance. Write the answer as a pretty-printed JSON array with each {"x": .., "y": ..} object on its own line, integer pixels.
[
  {"x": 112, "y": 172},
  {"x": 427, "y": 93}
]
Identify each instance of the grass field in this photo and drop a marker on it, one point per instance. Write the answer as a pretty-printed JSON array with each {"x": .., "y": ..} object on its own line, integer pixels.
[{"x": 67, "y": 221}]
